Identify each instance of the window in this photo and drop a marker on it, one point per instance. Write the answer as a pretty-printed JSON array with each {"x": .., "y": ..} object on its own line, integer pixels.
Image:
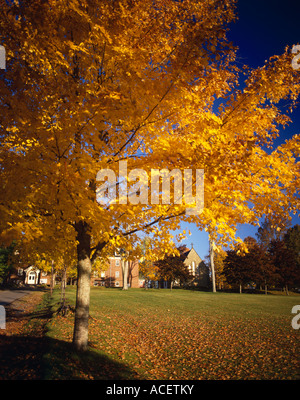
[
  {"x": 117, "y": 284},
  {"x": 117, "y": 274},
  {"x": 102, "y": 274},
  {"x": 20, "y": 271},
  {"x": 117, "y": 263}
]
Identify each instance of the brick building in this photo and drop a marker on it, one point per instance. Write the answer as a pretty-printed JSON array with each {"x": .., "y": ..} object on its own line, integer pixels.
[{"x": 113, "y": 275}]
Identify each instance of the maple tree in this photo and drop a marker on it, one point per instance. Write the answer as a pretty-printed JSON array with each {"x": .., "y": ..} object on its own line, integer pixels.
[
  {"x": 6, "y": 264},
  {"x": 172, "y": 268},
  {"x": 147, "y": 266},
  {"x": 219, "y": 257},
  {"x": 271, "y": 230},
  {"x": 259, "y": 264},
  {"x": 285, "y": 262},
  {"x": 89, "y": 84},
  {"x": 292, "y": 241}
]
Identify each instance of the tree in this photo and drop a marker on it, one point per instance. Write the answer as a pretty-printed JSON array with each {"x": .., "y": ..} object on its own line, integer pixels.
[
  {"x": 219, "y": 257},
  {"x": 292, "y": 241},
  {"x": 286, "y": 264},
  {"x": 172, "y": 268},
  {"x": 271, "y": 230},
  {"x": 6, "y": 264},
  {"x": 148, "y": 270},
  {"x": 150, "y": 254},
  {"x": 234, "y": 271},
  {"x": 212, "y": 263},
  {"x": 124, "y": 81},
  {"x": 251, "y": 265},
  {"x": 239, "y": 264},
  {"x": 257, "y": 261}
]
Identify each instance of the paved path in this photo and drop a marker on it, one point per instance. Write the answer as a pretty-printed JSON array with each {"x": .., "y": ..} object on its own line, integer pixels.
[{"x": 8, "y": 296}]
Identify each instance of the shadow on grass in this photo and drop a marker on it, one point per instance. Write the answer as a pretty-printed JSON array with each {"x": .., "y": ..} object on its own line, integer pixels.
[
  {"x": 14, "y": 314},
  {"x": 27, "y": 353},
  {"x": 42, "y": 358},
  {"x": 62, "y": 362}
]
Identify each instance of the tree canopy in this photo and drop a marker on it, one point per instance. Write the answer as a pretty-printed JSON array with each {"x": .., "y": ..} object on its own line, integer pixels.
[{"x": 90, "y": 84}]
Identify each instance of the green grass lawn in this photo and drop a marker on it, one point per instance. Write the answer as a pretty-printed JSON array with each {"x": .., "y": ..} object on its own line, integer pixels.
[{"x": 178, "y": 334}]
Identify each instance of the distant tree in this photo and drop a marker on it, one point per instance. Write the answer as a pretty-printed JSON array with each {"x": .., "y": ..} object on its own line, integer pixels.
[
  {"x": 250, "y": 242},
  {"x": 269, "y": 230},
  {"x": 6, "y": 264},
  {"x": 234, "y": 269},
  {"x": 292, "y": 241},
  {"x": 286, "y": 264},
  {"x": 172, "y": 268},
  {"x": 260, "y": 267},
  {"x": 219, "y": 257},
  {"x": 252, "y": 266},
  {"x": 147, "y": 269}
]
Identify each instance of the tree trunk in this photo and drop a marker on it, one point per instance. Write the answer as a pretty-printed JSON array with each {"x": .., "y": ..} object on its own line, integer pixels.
[
  {"x": 287, "y": 290},
  {"x": 81, "y": 325},
  {"x": 266, "y": 289},
  {"x": 212, "y": 264},
  {"x": 84, "y": 267},
  {"x": 240, "y": 288},
  {"x": 63, "y": 287},
  {"x": 125, "y": 274},
  {"x": 51, "y": 279}
]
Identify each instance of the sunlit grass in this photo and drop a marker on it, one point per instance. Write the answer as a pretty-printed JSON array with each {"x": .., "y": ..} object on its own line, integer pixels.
[{"x": 164, "y": 334}]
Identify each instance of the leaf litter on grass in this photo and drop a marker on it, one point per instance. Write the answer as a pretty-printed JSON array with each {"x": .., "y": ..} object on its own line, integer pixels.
[
  {"x": 184, "y": 343},
  {"x": 191, "y": 348}
]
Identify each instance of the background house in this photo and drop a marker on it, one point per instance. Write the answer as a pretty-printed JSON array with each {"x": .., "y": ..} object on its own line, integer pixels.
[
  {"x": 197, "y": 268},
  {"x": 29, "y": 276},
  {"x": 113, "y": 275}
]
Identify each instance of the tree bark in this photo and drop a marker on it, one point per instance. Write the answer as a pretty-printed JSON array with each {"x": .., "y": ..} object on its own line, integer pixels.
[
  {"x": 287, "y": 290},
  {"x": 51, "y": 279},
  {"x": 63, "y": 287},
  {"x": 212, "y": 264},
  {"x": 84, "y": 266},
  {"x": 125, "y": 274}
]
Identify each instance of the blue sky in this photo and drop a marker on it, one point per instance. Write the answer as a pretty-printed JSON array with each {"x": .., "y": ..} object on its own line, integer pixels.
[{"x": 264, "y": 28}]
